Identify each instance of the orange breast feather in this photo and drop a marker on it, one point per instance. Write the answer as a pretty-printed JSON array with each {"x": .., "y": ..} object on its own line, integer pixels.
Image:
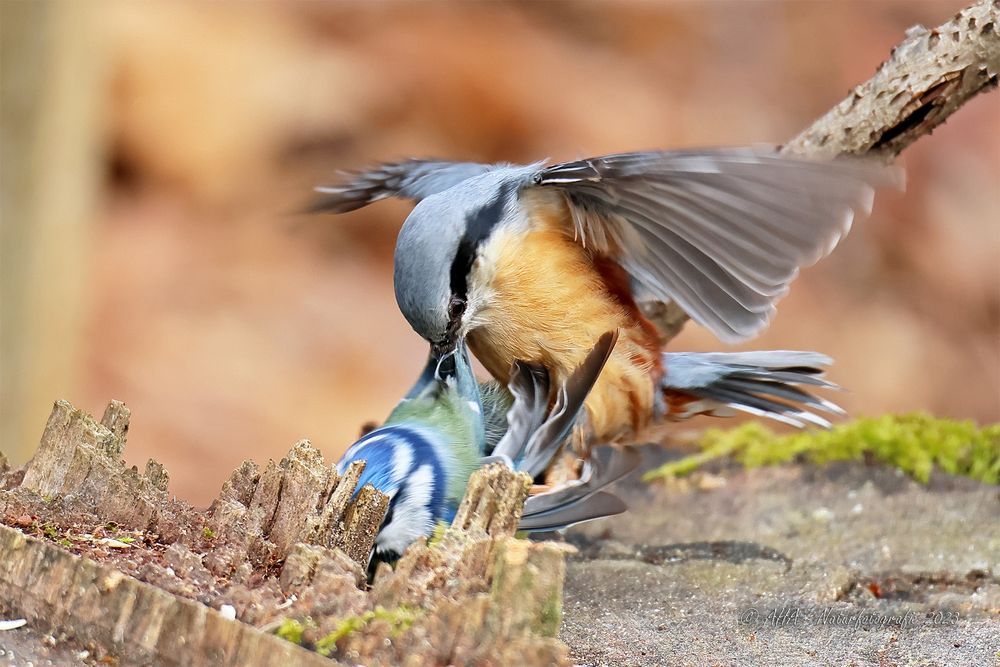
[{"x": 542, "y": 297}]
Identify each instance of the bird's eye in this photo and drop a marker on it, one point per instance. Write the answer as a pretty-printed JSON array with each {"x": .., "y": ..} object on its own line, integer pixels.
[{"x": 456, "y": 307}]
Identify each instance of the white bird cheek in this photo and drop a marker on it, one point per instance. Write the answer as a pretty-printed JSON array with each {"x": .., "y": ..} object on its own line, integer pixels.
[
  {"x": 412, "y": 516},
  {"x": 402, "y": 461}
]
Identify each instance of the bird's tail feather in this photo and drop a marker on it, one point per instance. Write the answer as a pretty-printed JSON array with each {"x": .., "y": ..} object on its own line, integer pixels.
[{"x": 766, "y": 384}]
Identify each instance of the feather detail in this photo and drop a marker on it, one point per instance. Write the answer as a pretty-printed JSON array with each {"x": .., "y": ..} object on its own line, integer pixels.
[
  {"x": 548, "y": 438},
  {"x": 411, "y": 179},
  {"x": 584, "y": 499},
  {"x": 765, "y": 384},
  {"x": 720, "y": 232},
  {"x": 536, "y": 437}
]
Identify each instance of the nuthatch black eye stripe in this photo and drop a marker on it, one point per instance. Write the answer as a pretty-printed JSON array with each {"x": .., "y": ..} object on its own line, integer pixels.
[{"x": 479, "y": 225}]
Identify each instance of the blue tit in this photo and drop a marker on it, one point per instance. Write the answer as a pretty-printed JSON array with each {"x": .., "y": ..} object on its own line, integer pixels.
[{"x": 424, "y": 454}]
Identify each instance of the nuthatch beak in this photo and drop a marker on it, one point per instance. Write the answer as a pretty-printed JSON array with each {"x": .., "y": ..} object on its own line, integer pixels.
[{"x": 448, "y": 364}]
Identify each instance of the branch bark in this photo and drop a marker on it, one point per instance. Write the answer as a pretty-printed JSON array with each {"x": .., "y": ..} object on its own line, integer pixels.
[{"x": 927, "y": 77}]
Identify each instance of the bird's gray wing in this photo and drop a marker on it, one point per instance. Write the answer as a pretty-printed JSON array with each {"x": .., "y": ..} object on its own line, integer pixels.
[
  {"x": 546, "y": 440},
  {"x": 719, "y": 232},
  {"x": 534, "y": 432},
  {"x": 497, "y": 401},
  {"x": 594, "y": 506},
  {"x": 410, "y": 179},
  {"x": 529, "y": 385},
  {"x": 583, "y": 499}
]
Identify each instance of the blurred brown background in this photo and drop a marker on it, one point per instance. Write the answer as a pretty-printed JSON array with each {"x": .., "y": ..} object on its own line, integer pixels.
[{"x": 153, "y": 154}]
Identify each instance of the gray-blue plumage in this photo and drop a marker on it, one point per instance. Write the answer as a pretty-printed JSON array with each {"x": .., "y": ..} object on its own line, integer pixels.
[
  {"x": 719, "y": 232},
  {"x": 410, "y": 179},
  {"x": 437, "y": 243}
]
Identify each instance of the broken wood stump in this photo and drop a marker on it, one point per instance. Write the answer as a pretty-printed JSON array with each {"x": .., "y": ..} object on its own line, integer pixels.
[
  {"x": 135, "y": 621},
  {"x": 97, "y": 551}
]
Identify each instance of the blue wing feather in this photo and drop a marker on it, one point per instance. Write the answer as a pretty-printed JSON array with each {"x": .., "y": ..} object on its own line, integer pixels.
[{"x": 392, "y": 455}]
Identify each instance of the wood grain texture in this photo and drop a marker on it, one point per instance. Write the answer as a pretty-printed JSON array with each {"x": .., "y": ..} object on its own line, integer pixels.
[{"x": 142, "y": 624}]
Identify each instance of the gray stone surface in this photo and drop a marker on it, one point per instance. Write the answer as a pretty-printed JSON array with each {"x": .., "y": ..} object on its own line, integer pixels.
[
  {"x": 774, "y": 567},
  {"x": 26, "y": 647}
]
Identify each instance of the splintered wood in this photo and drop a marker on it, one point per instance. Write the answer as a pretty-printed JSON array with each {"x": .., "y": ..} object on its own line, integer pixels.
[
  {"x": 97, "y": 603},
  {"x": 261, "y": 515},
  {"x": 97, "y": 551}
]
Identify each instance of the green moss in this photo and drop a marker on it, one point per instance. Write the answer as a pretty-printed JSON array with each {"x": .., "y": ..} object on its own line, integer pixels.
[
  {"x": 399, "y": 619},
  {"x": 914, "y": 443},
  {"x": 328, "y": 644},
  {"x": 438, "y": 534},
  {"x": 208, "y": 533},
  {"x": 291, "y": 630},
  {"x": 550, "y": 615}
]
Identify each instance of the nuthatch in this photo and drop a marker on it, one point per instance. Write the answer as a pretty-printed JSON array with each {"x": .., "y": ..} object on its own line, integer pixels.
[
  {"x": 435, "y": 438},
  {"x": 534, "y": 262}
]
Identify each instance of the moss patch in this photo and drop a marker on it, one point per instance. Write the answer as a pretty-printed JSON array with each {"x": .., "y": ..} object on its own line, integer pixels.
[
  {"x": 291, "y": 630},
  {"x": 398, "y": 619},
  {"x": 915, "y": 443},
  {"x": 550, "y": 616},
  {"x": 440, "y": 528}
]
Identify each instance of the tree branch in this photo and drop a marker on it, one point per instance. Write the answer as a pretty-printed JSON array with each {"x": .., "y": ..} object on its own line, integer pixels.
[{"x": 926, "y": 79}]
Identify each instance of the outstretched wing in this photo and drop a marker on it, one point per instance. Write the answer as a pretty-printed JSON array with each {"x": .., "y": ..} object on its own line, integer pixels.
[
  {"x": 720, "y": 232},
  {"x": 409, "y": 179}
]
